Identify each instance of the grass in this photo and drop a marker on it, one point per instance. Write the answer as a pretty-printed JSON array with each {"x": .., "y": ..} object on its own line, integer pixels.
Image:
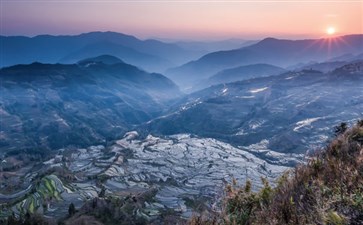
[
  {"x": 46, "y": 189},
  {"x": 31, "y": 208},
  {"x": 327, "y": 190}
]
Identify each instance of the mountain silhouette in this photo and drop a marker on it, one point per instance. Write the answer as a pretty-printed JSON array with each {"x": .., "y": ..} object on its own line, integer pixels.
[
  {"x": 273, "y": 51},
  {"x": 154, "y": 55}
]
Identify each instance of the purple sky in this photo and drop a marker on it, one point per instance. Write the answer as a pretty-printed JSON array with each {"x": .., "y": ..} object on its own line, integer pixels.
[{"x": 183, "y": 19}]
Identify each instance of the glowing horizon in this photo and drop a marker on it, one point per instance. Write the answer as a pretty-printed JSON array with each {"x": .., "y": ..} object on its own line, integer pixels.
[{"x": 183, "y": 19}]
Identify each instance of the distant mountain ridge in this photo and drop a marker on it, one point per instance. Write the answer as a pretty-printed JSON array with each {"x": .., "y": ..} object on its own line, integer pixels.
[
  {"x": 241, "y": 73},
  {"x": 150, "y": 55},
  {"x": 143, "y": 60},
  {"x": 213, "y": 46},
  {"x": 105, "y": 59},
  {"x": 273, "y": 51}
]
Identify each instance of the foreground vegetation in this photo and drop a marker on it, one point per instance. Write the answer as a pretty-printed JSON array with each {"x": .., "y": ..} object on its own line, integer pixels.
[{"x": 327, "y": 190}]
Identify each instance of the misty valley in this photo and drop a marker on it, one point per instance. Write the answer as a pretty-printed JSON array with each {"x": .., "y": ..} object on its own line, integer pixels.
[{"x": 105, "y": 128}]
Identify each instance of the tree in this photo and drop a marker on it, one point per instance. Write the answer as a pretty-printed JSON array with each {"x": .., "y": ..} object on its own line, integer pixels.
[
  {"x": 12, "y": 219},
  {"x": 360, "y": 123},
  {"x": 71, "y": 209},
  {"x": 340, "y": 129},
  {"x": 102, "y": 193}
]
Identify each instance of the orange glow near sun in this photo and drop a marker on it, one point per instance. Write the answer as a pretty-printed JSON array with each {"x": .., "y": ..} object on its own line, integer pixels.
[{"x": 330, "y": 30}]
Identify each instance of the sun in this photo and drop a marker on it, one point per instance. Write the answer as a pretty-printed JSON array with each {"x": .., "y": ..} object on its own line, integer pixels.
[{"x": 330, "y": 30}]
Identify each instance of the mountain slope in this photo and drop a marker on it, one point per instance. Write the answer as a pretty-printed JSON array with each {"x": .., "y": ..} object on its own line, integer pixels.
[
  {"x": 213, "y": 46},
  {"x": 206, "y": 47},
  {"x": 324, "y": 66},
  {"x": 105, "y": 59},
  {"x": 277, "y": 52},
  {"x": 290, "y": 112},
  {"x": 54, "y": 105},
  {"x": 129, "y": 55},
  {"x": 241, "y": 73},
  {"x": 159, "y": 176},
  {"x": 328, "y": 190}
]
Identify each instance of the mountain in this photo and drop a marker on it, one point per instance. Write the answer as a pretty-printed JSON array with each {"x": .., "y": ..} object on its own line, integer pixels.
[
  {"x": 273, "y": 51},
  {"x": 299, "y": 193},
  {"x": 292, "y": 112},
  {"x": 331, "y": 64},
  {"x": 324, "y": 66},
  {"x": 105, "y": 59},
  {"x": 54, "y": 105},
  {"x": 238, "y": 131},
  {"x": 154, "y": 55},
  {"x": 241, "y": 73},
  {"x": 129, "y": 55},
  {"x": 205, "y": 47},
  {"x": 348, "y": 57}
]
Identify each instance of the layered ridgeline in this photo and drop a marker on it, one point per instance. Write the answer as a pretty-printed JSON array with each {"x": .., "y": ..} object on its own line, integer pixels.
[
  {"x": 327, "y": 190},
  {"x": 55, "y": 105},
  {"x": 282, "y": 53},
  {"x": 291, "y": 112},
  {"x": 240, "y": 73},
  {"x": 64, "y": 154},
  {"x": 152, "y": 55}
]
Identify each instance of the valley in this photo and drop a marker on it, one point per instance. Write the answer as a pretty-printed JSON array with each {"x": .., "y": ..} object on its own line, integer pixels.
[
  {"x": 99, "y": 139},
  {"x": 185, "y": 172}
]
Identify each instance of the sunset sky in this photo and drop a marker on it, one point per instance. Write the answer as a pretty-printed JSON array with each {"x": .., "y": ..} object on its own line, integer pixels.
[{"x": 182, "y": 19}]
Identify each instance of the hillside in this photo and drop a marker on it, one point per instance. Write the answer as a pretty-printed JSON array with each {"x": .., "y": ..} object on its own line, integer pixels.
[
  {"x": 50, "y": 106},
  {"x": 135, "y": 178},
  {"x": 285, "y": 113},
  {"x": 327, "y": 190},
  {"x": 105, "y": 59},
  {"x": 240, "y": 73},
  {"x": 282, "y": 53}
]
